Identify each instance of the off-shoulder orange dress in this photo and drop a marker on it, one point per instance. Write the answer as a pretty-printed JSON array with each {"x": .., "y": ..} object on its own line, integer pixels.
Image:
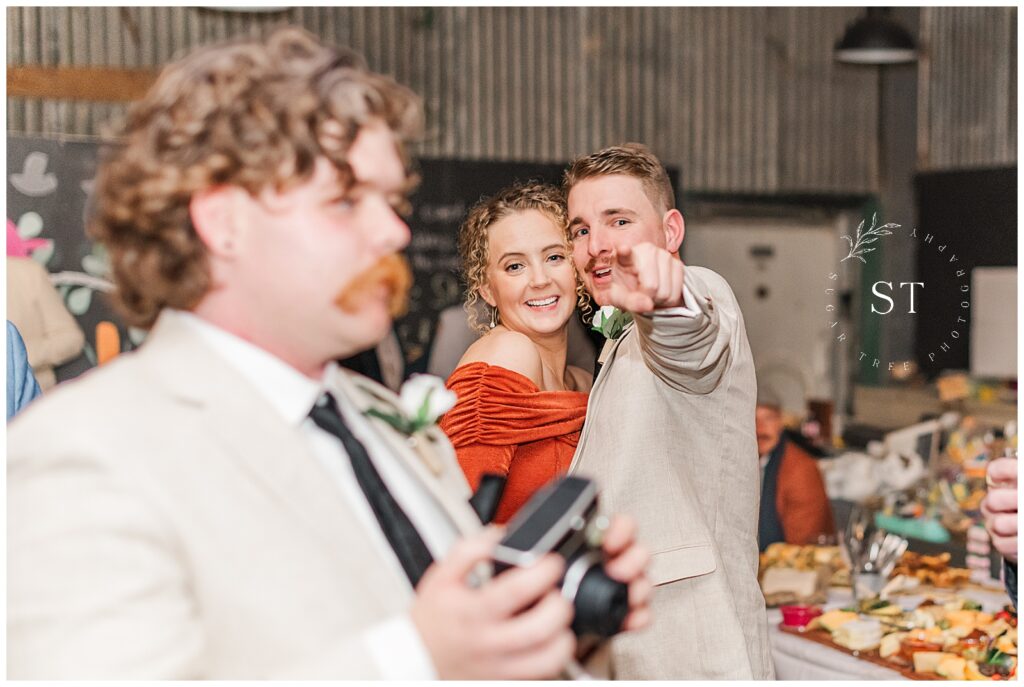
[{"x": 503, "y": 423}]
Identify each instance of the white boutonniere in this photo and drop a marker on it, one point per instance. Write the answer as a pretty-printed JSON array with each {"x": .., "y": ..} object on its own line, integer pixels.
[
  {"x": 422, "y": 400},
  {"x": 611, "y": 321}
]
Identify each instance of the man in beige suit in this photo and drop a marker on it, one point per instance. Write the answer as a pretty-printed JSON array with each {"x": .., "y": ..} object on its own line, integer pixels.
[
  {"x": 670, "y": 424},
  {"x": 222, "y": 503}
]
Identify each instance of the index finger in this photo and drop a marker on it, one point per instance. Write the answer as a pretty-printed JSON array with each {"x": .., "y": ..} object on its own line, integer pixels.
[
  {"x": 624, "y": 255},
  {"x": 516, "y": 588},
  {"x": 621, "y": 533}
]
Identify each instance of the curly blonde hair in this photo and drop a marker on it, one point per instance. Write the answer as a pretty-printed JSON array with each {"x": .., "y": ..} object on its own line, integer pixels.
[
  {"x": 251, "y": 113},
  {"x": 473, "y": 237}
]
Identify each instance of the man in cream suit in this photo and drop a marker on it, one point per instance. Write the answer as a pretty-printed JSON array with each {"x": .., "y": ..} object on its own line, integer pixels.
[
  {"x": 670, "y": 425},
  {"x": 221, "y": 504}
]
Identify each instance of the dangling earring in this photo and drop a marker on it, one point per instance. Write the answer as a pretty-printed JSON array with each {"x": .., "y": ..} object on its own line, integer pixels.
[{"x": 494, "y": 318}]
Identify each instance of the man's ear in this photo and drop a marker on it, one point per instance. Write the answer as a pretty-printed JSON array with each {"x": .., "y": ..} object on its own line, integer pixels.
[
  {"x": 215, "y": 218},
  {"x": 675, "y": 229},
  {"x": 485, "y": 293}
]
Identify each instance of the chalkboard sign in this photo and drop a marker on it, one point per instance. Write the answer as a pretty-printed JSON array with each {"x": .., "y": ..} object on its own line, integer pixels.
[{"x": 49, "y": 191}]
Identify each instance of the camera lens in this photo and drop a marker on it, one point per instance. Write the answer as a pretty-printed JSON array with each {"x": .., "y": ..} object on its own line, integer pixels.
[{"x": 600, "y": 603}]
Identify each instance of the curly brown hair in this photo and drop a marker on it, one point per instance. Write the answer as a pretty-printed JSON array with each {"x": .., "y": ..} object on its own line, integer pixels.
[
  {"x": 473, "y": 235},
  {"x": 250, "y": 113},
  {"x": 632, "y": 159}
]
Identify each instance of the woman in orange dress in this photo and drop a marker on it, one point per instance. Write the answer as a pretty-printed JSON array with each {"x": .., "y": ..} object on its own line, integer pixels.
[{"x": 521, "y": 406}]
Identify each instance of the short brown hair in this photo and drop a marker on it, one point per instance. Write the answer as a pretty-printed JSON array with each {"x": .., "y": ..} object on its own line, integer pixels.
[
  {"x": 473, "y": 234},
  {"x": 250, "y": 113},
  {"x": 632, "y": 159}
]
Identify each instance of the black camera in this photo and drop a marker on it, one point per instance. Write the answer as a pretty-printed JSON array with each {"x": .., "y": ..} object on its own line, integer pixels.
[{"x": 562, "y": 518}]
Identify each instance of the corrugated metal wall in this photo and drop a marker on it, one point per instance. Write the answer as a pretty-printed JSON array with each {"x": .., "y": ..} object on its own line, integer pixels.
[
  {"x": 740, "y": 99},
  {"x": 743, "y": 99},
  {"x": 968, "y": 108}
]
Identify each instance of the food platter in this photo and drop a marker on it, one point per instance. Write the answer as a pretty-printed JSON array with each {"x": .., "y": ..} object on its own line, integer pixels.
[
  {"x": 955, "y": 639},
  {"x": 825, "y": 638}
]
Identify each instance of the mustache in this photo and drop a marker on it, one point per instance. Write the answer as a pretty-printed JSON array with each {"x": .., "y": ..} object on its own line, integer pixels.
[
  {"x": 592, "y": 265},
  {"x": 392, "y": 272}
]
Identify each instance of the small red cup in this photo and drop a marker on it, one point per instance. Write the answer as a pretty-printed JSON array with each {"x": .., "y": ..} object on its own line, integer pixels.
[{"x": 799, "y": 616}]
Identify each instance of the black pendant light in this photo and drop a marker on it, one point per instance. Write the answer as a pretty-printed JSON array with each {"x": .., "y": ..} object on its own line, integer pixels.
[{"x": 876, "y": 39}]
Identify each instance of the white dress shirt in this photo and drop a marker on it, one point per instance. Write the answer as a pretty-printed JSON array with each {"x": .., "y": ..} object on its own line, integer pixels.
[{"x": 293, "y": 395}]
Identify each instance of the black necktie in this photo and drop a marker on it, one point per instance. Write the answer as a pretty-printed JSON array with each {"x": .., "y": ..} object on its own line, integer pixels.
[{"x": 401, "y": 534}]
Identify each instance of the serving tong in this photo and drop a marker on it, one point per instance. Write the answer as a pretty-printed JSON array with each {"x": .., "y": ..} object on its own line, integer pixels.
[{"x": 868, "y": 549}]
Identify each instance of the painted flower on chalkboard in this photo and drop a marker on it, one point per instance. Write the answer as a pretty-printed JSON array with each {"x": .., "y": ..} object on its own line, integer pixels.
[
  {"x": 22, "y": 241},
  {"x": 78, "y": 287},
  {"x": 34, "y": 180}
]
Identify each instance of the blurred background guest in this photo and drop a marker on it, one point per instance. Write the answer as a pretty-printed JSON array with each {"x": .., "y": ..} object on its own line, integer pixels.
[
  {"x": 21, "y": 383},
  {"x": 794, "y": 505},
  {"x": 51, "y": 334}
]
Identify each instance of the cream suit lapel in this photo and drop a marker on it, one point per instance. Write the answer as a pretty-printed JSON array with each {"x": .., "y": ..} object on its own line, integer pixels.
[
  {"x": 243, "y": 427},
  {"x": 608, "y": 353},
  {"x": 427, "y": 454}
]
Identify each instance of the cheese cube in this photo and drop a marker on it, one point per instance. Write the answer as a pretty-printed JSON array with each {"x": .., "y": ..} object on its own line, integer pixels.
[
  {"x": 890, "y": 644},
  {"x": 1006, "y": 645},
  {"x": 833, "y": 620},
  {"x": 952, "y": 667},
  {"x": 928, "y": 661},
  {"x": 858, "y": 635}
]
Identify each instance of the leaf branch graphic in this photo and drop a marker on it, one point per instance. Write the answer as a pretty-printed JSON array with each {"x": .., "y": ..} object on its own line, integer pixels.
[{"x": 860, "y": 244}]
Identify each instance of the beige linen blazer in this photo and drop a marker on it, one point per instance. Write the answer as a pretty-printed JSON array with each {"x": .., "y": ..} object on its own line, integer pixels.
[
  {"x": 51, "y": 333},
  {"x": 670, "y": 439},
  {"x": 164, "y": 522}
]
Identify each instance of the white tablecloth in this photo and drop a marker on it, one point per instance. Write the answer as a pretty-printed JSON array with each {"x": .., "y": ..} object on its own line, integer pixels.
[{"x": 802, "y": 659}]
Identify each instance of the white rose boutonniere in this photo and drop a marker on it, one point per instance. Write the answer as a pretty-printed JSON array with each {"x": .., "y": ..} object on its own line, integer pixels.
[
  {"x": 422, "y": 400},
  {"x": 611, "y": 321}
]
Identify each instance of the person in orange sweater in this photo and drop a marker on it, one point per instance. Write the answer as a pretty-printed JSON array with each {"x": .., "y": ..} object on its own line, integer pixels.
[
  {"x": 794, "y": 505},
  {"x": 521, "y": 405}
]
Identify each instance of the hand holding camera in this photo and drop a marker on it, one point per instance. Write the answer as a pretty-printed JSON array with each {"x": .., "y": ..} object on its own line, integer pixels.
[
  {"x": 514, "y": 627},
  {"x": 556, "y": 558},
  {"x": 563, "y": 517}
]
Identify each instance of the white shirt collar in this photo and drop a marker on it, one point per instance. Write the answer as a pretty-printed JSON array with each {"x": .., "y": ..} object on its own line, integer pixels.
[{"x": 288, "y": 391}]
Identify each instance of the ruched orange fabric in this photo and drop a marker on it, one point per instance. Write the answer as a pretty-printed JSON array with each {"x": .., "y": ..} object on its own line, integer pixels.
[{"x": 503, "y": 423}]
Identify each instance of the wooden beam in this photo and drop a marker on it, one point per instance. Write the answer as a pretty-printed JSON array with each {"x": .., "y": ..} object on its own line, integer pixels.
[{"x": 104, "y": 84}]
